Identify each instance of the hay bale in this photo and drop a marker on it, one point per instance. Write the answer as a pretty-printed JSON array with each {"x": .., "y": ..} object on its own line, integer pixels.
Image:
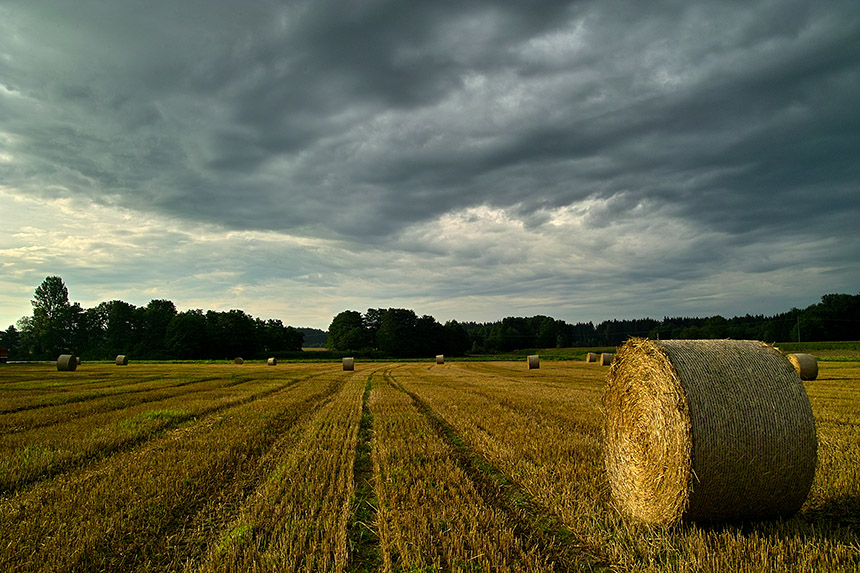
[
  {"x": 348, "y": 364},
  {"x": 121, "y": 360},
  {"x": 606, "y": 358},
  {"x": 806, "y": 365},
  {"x": 592, "y": 357},
  {"x": 78, "y": 360},
  {"x": 67, "y": 363},
  {"x": 440, "y": 359},
  {"x": 534, "y": 361},
  {"x": 272, "y": 361},
  {"x": 706, "y": 430},
  {"x": 238, "y": 360}
]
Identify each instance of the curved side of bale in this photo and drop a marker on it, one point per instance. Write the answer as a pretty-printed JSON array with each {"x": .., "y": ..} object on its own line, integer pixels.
[
  {"x": 706, "y": 430},
  {"x": 348, "y": 364},
  {"x": 67, "y": 363},
  {"x": 806, "y": 365},
  {"x": 534, "y": 361},
  {"x": 440, "y": 359},
  {"x": 121, "y": 360},
  {"x": 272, "y": 361},
  {"x": 606, "y": 358},
  {"x": 592, "y": 357},
  {"x": 238, "y": 360}
]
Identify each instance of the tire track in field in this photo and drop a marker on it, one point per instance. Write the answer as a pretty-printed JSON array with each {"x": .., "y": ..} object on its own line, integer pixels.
[
  {"x": 362, "y": 538},
  {"x": 135, "y": 441},
  {"x": 535, "y": 525}
]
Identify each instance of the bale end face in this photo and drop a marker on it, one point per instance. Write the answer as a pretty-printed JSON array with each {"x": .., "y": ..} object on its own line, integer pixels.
[{"x": 687, "y": 425}]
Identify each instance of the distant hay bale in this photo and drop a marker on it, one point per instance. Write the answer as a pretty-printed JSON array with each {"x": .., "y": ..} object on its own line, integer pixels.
[
  {"x": 592, "y": 357},
  {"x": 706, "y": 430},
  {"x": 272, "y": 361},
  {"x": 805, "y": 364},
  {"x": 67, "y": 363},
  {"x": 440, "y": 359},
  {"x": 121, "y": 360},
  {"x": 238, "y": 360},
  {"x": 534, "y": 361},
  {"x": 606, "y": 358},
  {"x": 348, "y": 364}
]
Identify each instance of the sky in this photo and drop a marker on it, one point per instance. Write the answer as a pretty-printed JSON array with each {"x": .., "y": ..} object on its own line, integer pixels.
[{"x": 585, "y": 160}]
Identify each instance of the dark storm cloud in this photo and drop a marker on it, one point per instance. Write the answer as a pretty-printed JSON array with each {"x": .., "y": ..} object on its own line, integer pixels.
[{"x": 675, "y": 139}]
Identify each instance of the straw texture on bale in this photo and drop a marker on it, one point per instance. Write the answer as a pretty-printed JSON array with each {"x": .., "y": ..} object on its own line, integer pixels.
[
  {"x": 121, "y": 360},
  {"x": 805, "y": 364},
  {"x": 606, "y": 358},
  {"x": 534, "y": 361},
  {"x": 440, "y": 359},
  {"x": 592, "y": 357},
  {"x": 348, "y": 364},
  {"x": 706, "y": 430},
  {"x": 67, "y": 363},
  {"x": 238, "y": 360},
  {"x": 272, "y": 361}
]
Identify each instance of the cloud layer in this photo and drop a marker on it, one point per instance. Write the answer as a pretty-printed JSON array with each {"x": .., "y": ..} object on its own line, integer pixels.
[{"x": 470, "y": 160}]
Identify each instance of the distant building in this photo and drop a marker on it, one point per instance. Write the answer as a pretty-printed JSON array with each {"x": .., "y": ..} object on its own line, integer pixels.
[{"x": 4, "y": 355}]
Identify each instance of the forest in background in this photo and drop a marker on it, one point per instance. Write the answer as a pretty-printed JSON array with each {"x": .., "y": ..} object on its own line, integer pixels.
[{"x": 158, "y": 331}]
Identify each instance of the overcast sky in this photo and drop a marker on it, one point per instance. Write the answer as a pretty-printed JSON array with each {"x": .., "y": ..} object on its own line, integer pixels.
[{"x": 471, "y": 160}]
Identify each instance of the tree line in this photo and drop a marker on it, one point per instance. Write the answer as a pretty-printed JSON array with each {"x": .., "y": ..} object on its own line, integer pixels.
[
  {"x": 158, "y": 332},
  {"x": 152, "y": 332}
]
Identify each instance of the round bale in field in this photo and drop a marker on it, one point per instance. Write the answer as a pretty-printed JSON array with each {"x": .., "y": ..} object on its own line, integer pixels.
[
  {"x": 440, "y": 359},
  {"x": 238, "y": 360},
  {"x": 606, "y": 358},
  {"x": 272, "y": 361},
  {"x": 348, "y": 364},
  {"x": 592, "y": 357},
  {"x": 121, "y": 360},
  {"x": 534, "y": 361},
  {"x": 706, "y": 430},
  {"x": 806, "y": 365},
  {"x": 67, "y": 363}
]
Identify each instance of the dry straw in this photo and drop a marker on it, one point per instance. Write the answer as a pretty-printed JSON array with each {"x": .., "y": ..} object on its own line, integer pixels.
[
  {"x": 534, "y": 361},
  {"x": 121, "y": 360},
  {"x": 440, "y": 359},
  {"x": 805, "y": 364},
  {"x": 706, "y": 430},
  {"x": 606, "y": 358},
  {"x": 592, "y": 357},
  {"x": 67, "y": 363},
  {"x": 272, "y": 361},
  {"x": 238, "y": 360},
  {"x": 348, "y": 364}
]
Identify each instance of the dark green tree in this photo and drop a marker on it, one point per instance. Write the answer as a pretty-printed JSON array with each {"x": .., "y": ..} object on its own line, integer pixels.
[
  {"x": 52, "y": 323},
  {"x": 347, "y": 332}
]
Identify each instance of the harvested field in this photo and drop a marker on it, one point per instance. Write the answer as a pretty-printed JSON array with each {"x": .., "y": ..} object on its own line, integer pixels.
[{"x": 398, "y": 466}]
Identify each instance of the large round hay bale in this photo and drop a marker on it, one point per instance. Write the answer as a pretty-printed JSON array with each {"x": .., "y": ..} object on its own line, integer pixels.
[
  {"x": 805, "y": 364},
  {"x": 534, "y": 361},
  {"x": 440, "y": 359},
  {"x": 272, "y": 361},
  {"x": 348, "y": 364},
  {"x": 606, "y": 358},
  {"x": 706, "y": 430},
  {"x": 238, "y": 360},
  {"x": 67, "y": 363},
  {"x": 121, "y": 360},
  {"x": 592, "y": 357}
]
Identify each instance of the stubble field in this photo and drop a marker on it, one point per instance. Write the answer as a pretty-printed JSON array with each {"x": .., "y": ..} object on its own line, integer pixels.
[{"x": 475, "y": 466}]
